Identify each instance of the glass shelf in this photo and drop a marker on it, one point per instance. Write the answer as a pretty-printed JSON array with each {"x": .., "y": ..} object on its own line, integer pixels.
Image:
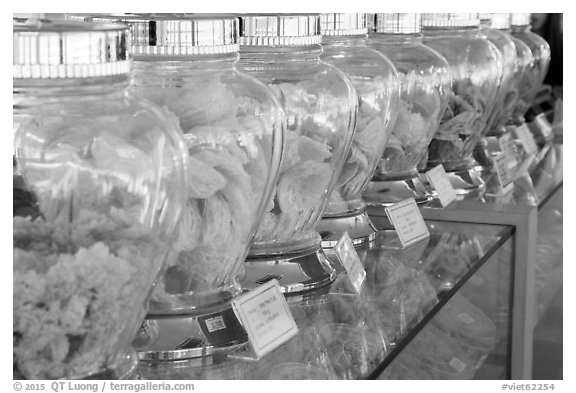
[{"x": 349, "y": 336}]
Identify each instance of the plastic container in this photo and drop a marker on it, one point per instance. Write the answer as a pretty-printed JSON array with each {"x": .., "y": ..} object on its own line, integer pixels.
[
  {"x": 319, "y": 101},
  {"x": 425, "y": 79},
  {"x": 108, "y": 173},
  {"x": 344, "y": 44}
]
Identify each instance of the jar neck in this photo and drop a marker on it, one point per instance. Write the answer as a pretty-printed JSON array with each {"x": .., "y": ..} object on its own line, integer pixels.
[
  {"x": 395, "y": 39},
  {"x": 170, "y": 66},
  {"x": 286, "y": 55},
  {"x": 520, "y": 29},
  {"x": 451, "y": 31},
  {"x": 72, "y": 88},
  {"x": 344, "y": 40}
]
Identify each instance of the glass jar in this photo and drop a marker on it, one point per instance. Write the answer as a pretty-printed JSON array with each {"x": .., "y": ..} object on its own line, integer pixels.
[
  {"x": 523, "y": 77},
  {"x": 425, "y": 86},
  {"x": 476, "y": 66},
  {"x": 536, "y": 73},
  {"x": 107, "y": 171},
  {"x": 496, "y": 28},
  {"x": 233, "y": 129},
  {"x": 376, "y": 82},
  {"x": 319, "y": 101}
]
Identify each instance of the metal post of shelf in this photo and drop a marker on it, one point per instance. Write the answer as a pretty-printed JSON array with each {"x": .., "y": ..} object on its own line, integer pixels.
[{"x": 524, "y": 219}]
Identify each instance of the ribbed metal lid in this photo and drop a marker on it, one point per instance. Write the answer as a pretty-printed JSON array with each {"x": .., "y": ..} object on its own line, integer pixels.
[
  {"x": 178, "y": 35},
  {"x": 280, "y": 30},
  {"x": 500, "y": 21},
  {"x": 47, "y": 49},
  {"x": 400, "y": 23},
  {"x": 343, "y": 24},
  {"x": 439, "y": 21},
  {"x": 519, "y": 19}
]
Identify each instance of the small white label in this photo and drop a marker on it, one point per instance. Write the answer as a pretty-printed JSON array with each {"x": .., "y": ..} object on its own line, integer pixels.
[
  {"x": 457, "y": 364},
  {"x": 466, "y": 318},
  {"x": 350, "y": 260},
  {"x": 215, "y": 324},
  {"x": 439, "y": 180},
  {"x": 408, "y": 222},
  {"x": 543, "y": 125},
  {"x": 506, "y": 144},
  {"x": 265, "y": 315},
  {"x": 526, "y": 138},
  {"x": 505, "y": 165}
]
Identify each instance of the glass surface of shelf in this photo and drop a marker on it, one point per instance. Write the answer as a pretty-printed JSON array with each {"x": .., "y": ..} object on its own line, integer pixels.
[
  {"x": 469, "y": 338},
  {"x": 344, "y": 335}
]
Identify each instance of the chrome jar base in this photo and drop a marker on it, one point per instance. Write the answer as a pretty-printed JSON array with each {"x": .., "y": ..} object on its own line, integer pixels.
[
  {"x": 384, "y": 193},
  {"x": 359, "y": 228},
  {"x": 189, "y": 337},
  {"x": 296, "y": 273}
]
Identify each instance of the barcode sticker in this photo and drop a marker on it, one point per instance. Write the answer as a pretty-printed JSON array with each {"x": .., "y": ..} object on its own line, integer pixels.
[
  {"x": 457, "y": 364},
  {"x": 215, "y": 324}
]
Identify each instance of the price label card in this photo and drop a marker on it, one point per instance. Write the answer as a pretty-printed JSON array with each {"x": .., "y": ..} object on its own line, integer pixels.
[
  {"x": 506, "y": 144},
  {"x": 439, "y": 180},
  {"x": 505, "y": 165},
  {"x": 543, "y": 125},
  {"x": 350, "y": 260},
  {"x": 408, "y": 222},
  {"x": 266, "y": 317},
  {"x": 526, "y": 138}
]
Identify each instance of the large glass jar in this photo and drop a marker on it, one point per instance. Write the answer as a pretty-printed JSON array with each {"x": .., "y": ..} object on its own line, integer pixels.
[
  {"x": 107, "y": 171},
  {"x": 233, "y": 128},
  {"x": 476, "y": 66},
  {"x": 524, "y": 81},
  {"x": 540, "y": 49},
  {"x": 496, "y": 28},
  {"x": 319, "y": 101},
  {"x": 425, "y": 86},
  {"x": 376, "y": 82}
]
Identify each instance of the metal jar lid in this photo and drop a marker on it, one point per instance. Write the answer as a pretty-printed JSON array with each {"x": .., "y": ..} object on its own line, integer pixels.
[
  {"x": 399, "y": 23},
  {"x": 178, "y": 35},
  {"x": 440, "y": 21},
  {"x": 280, "y": 30},
  {"x": 343, "y": 24},
  {"x": 500, "y": 21},
  {"x": 520, "y": 19},
  {"x": 58, "y": 49}
]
